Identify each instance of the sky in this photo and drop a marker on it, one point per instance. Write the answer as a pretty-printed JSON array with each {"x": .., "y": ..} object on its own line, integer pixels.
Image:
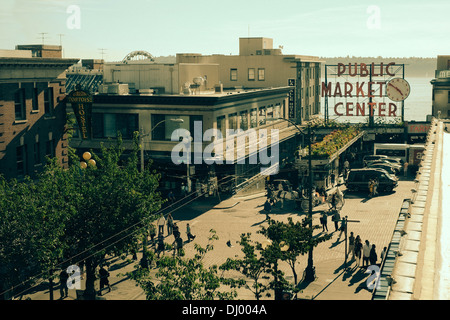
[{"x": 110, "y": 29}]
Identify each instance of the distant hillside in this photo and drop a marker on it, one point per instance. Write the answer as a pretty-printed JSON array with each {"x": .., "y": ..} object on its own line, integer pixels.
[{"x": 414, "y": 67}]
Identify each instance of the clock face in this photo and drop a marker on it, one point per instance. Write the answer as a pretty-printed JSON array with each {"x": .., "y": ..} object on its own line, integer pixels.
[{"x": 398, "y": 89}]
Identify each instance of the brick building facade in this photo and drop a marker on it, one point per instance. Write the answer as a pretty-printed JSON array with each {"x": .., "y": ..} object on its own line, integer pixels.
[{"x": 32, "y": 112}]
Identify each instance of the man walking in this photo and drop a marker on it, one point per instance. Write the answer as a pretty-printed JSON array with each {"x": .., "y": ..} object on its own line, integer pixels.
[
  {"x": 323, "y": 221},
  {"x": 63, "y": 289},
  {"x": 189, "y": 234},
  {"x": 366, "y": 252},
  {"x": 161, "y": 224},
  {"x": 336, "y": 217},
  {"x": 104, "y": 282},
  {"x": 351, "y": 245}
]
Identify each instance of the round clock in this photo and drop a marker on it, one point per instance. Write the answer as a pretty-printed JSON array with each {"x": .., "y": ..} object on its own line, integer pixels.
[{"x": 398, "y": 89}]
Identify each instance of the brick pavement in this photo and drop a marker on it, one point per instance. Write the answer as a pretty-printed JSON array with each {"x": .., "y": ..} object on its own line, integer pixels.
[{"x": 234, "y": 216}]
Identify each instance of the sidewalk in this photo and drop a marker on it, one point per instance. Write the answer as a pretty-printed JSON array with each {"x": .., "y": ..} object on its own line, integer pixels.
[{"x": 234, "y": 216}]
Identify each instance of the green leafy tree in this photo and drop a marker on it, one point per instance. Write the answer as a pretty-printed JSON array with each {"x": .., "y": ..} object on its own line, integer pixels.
[
  {"x": 253, "y": 266},
  {"x": 115, "y": 204},
  {"x": 182, "y": 278},
  {"x": 297, "y": 239}
]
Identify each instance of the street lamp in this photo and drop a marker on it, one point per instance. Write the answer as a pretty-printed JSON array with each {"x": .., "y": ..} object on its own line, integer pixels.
[
  {"x": 87, "y": 160},
  {"x": 310, "y": 269},
  {"x": 142, "y": 135}
]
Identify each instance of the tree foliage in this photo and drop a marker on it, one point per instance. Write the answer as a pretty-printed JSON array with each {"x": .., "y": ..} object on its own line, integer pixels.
[
  {"x": 72, "y": 215},
  {"x": 182, "y": 278}
]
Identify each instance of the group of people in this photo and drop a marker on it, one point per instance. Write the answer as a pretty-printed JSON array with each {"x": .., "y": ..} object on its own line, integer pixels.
[
  {"x": 64, "y": 277},
  {"x": 358, "y": 250},
  {"x": 172, "y": 228},
  {"x": 339, "y": 224},
  {"x": 366, "y": 251}
]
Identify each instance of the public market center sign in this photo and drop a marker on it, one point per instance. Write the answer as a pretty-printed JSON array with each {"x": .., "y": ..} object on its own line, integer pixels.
[{"x": 364, "y": 88}]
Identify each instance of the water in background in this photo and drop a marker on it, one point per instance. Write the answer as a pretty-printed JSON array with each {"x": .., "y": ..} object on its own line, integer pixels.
[{"x": 417, "y": 105}]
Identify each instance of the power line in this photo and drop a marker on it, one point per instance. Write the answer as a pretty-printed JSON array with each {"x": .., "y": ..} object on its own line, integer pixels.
[{"x": 199, "y": 195}]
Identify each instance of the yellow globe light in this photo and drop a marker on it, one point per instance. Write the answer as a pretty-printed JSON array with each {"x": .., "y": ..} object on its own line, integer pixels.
[
  {"x": 83, "y": 165},
  {"x": 86, "y": 156},
  {"x": 92, "y": 162}
]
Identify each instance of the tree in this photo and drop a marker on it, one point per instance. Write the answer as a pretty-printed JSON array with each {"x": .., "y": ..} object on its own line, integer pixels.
[
  {"x": 297, "y": 238},
  {"x": 253, "y": 265},
  {"x": 115, "y": 204},
  {"x": 182, "y": 278}
]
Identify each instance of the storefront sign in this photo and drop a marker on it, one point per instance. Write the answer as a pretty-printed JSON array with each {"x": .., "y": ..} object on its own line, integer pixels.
[
  {"x": 82, "y": 107},
  {"x": 361, "y": 97},
  {"x": 291, "y": 99}
]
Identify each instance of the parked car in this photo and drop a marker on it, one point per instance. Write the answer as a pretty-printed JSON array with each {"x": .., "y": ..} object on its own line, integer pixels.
[
  {"x": 397, "y": 167},
  {"x": 386, "y": 166},
  {"x": 358, "y": 179},
  {"x": 366, "y": 159}
]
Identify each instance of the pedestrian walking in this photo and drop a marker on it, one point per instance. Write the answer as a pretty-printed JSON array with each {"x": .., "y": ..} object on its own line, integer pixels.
[
  {"x": 351, "y": 245},
  {"x": 267, "y": 209},
  {"x": 161, "y": 224},
  {"x": 178, "y": 246},
  {"x": 383, "y": 254},
  {"x": 333, "y": 201},
  {"x": 366, "y": 253},
  {"x": 104, "y": 281},
  {"x": 371, "y": 182},
  {"x": 343, "y": 226},
  {"x": 405, "y": 169},
  {"x": 189, "y": 234},
  {"x": 63, "y": 289},
  {"x": 335, "y": 218},
  {"x": 358, "y": 249},
  {"x": 323, "y": 221},
  {"x": 161, "y": 246},
  {"x": 375, "y": 187},
  {"x": 171, "y": 197},
  {"x": 169, "y": 224},
  {"x": 176, "y": 231},
  {"x": 152, "y": 231},
  {"x": 373, "y": 256}
]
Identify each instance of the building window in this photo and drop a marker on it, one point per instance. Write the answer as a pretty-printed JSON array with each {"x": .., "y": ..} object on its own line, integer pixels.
[
  {"x": 243, "y": 120},
  {"x": 48, "y": 100},
  {"x": 269, "y": 113},
  {"x": 448, "y": 92},
  {"x": 35, "y": 99},
  {"x": 21, "y": 160},
  {"x": 233, "y": 75},
  {"x": 232, "y": 121},
  {"x": 37, "y": 153},
  {"x": 107, "y": 125},
  {"x": 221, "y": 126},
  {"x": 253, "y": 118},
  {"x": 277, "y": 111},
  {"x": 261, "y": 74},
  {"x": 251, "y": 74},
  {"x": 262, "y": 116},
  {"x": 19, "y": 104},
  {"x": 50, "y": 148},
  {"x": 163, "y": 128}
]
